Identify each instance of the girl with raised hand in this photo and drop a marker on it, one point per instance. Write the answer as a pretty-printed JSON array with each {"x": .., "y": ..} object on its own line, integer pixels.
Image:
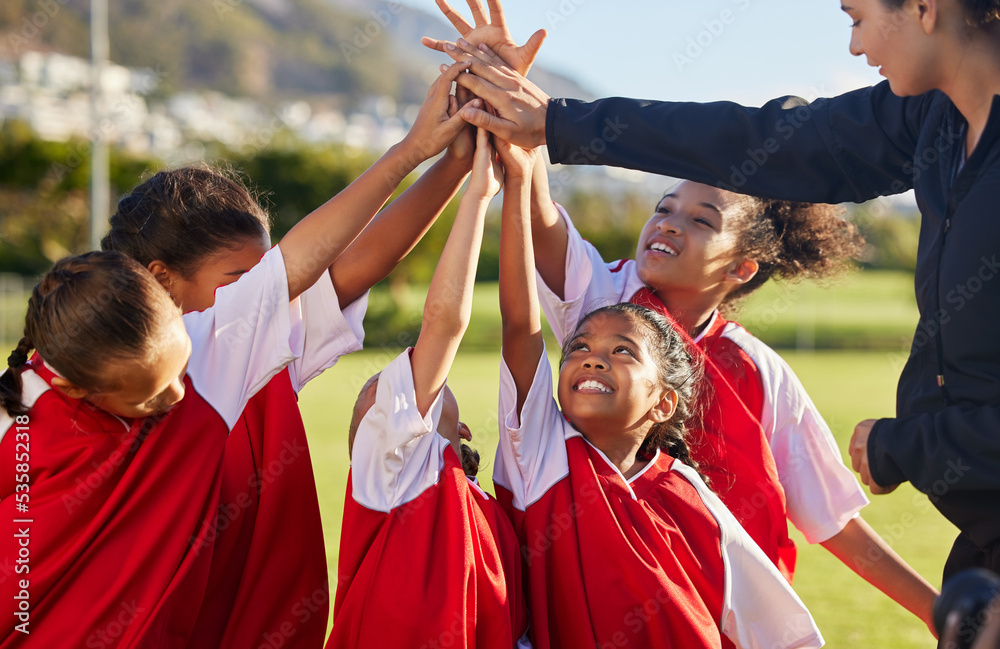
[
  {"x": 702, "y": 251},
  {"x": 427, "y": 558},
  {"x": 625, "y": 544},
  {"x": 933, "y": 126},
  {"x": 123, "y": 477},
  {"x": 197, "y": 230}
]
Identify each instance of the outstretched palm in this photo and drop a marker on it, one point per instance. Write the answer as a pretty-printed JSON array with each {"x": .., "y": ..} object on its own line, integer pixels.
[{"x": 492, "y": 32}]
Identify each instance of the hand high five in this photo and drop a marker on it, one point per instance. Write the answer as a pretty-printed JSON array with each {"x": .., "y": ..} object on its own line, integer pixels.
[
  {"x": 519, "y": 105},
  {"x": 492, "y": 33}
]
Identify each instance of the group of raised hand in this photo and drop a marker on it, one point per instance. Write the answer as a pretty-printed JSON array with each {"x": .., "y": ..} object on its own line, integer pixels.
[{"x": 514, "y": 108}]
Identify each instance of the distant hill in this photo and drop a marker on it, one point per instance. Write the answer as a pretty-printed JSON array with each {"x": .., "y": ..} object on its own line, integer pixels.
[{"x": 264, "y": 49}]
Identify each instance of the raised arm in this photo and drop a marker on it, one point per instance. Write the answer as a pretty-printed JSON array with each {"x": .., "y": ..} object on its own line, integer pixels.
[
  {"x": 449, "y": 298},
  {"x": 312, "y": 246},
  {"x": 548, "y": 232},
  {"x": 519, "y": 308},
  {"x": 399, "y": 227},
  {"x": 852, "y": 147},
  {"x": 492, "y": 32}
]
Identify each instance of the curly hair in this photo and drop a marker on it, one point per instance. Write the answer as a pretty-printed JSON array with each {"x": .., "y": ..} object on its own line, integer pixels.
[
  {"x": 182, "y": 216},
  {"x": 678, "y": 370},
  {"x": 87, "y": 310},
  {"x": 978, "y": 13},
  {"x": 792, "y": 240}
]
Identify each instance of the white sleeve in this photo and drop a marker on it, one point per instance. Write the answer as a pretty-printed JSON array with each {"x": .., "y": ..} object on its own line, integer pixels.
[
  {"x": 821, "y": 492},
  {"x": 760, "y": 610},
  {"x": 531, "y": 456},
  {"x": 321, "y": 332},
  {"x": 397, "y": 454},
  {"x": 589, "y": 284},
  {"x": 242, "y": 341}
]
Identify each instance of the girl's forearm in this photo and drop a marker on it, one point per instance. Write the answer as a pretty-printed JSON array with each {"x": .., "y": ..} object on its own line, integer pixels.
[
  {"x": 522, "y": 329},
  {"x": 396, "y": 230},
  {"x": 449, "y": 297},
  {"x": 548, "y": 232},
  {"x": 311, "y": 247},
  {"x": 860, "y": 548},
  {"x": 449, "y": 302}
]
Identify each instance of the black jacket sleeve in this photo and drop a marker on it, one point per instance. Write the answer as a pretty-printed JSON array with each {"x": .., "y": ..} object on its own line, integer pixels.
[
  {"x": 951, "y": 455},
  {"x": 852, "y": 147}
]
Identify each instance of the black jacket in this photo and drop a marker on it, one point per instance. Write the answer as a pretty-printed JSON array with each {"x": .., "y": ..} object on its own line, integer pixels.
[{"x": 863, "y": 144}]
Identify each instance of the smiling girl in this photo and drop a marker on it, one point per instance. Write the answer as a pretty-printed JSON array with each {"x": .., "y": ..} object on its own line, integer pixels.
[
  {"x": 624, "y": 543},
  {"x": 703, "y": 249},
  {"x": 125, "y": 489}
]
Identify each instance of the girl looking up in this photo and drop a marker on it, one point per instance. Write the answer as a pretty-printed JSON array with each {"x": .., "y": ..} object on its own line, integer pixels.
[
  {"x": 624, "y": 543},
  {"x": 703, "y": 249},
  {"x": 197, "y": 230},
  {"x": 427, "y": 558}
]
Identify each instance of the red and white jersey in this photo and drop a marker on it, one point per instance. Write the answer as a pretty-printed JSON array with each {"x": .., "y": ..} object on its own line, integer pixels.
[
  {"x": 822, "y": 494},
  {"x": 653, "y": 561},
  {"x": 268, "y": 499},
  {"x": 118, "y": 515},
  {"x": 427, "y": 558}
]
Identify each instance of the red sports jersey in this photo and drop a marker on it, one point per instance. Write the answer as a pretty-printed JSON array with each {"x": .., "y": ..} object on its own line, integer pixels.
[
  {"x": 268, "y": 500},
  {"x": 818, "y": 492},
  {"x": 114, "y": 552},
  {"x": 821, "y": 493},
  {"x": 654, "y": 561},
  {"x": 427, "y": 559},
  {"x": 120, "y": 512},
  {"x": 728, "y": 444}
]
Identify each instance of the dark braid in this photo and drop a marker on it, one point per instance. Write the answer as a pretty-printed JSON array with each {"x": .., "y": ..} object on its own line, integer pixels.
[
  {"x": 11, "y": 386},
  {"x": 678, "y": 370}
]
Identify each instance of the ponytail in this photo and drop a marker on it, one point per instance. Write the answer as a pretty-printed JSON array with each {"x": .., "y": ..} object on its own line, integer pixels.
[
  {"x": 11, "y": 386},
  {"x": 792, "y": 240},
  {"x": 470, "y": 461}
]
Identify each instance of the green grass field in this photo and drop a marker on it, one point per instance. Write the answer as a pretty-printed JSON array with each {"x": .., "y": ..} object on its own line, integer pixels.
[{"x": 846, "y": 386}]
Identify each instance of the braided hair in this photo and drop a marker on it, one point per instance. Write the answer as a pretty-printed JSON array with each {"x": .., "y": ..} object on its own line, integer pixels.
[
  {"x": 87, "y": 310},
  {"x": 182, "y": 216}
]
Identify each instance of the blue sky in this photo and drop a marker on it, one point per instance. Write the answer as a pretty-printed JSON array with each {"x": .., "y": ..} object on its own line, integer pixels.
[{"x": 702, "y": 50}]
